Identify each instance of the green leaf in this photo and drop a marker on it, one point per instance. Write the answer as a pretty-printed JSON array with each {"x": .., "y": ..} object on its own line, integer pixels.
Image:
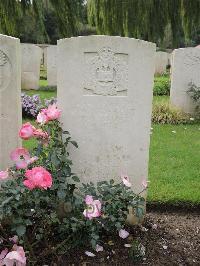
[
  {"x": 66, "y": 132},
  {"x": 74, "y": 143},
  {"x": 21, "y": 230},
  {"x": 61, "y": 194},
  {"x": 76, "y": 178}
]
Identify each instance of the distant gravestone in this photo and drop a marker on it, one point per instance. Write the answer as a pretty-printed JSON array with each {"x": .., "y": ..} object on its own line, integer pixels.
[
  {"x": 31, "y": 60},
  {"x": 162, "y": 61},
  {"x": 52, "y": 65},
  {"x": 44, "y": 46},
  {"x": 105, "y": 93},
  {"x": 185, "y": 69},
  {"x": 10, "y": 100}
]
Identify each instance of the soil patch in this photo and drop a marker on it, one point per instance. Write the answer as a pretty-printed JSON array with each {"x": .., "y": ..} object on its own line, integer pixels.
[{"x": 175, "y": 241}]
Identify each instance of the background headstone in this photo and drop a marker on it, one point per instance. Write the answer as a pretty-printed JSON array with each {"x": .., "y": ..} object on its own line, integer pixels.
[
  {"x": 185, "y": 69},
  {"x": 52, "y": 65},
  {"x": 31, "y": 60},
  {"x": 161, "y": 63},
  {"x": 105, "y": 93},
  {"x": 44, "y": 46},
  {"x": 10, "y": 97}
]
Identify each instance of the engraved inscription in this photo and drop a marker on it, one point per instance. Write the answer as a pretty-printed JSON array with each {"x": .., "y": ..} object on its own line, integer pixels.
[
  {"x": 106, "y": 73},
  {"x": 5, "y": 71}
]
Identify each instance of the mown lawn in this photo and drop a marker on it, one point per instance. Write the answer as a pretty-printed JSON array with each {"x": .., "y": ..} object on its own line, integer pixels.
[{"x": 174, "y": 165}]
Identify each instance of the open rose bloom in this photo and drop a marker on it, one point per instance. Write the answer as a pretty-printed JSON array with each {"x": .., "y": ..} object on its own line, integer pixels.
[
  {"x": 93, "y": 209},
  {"x": 27, "y": 131},
  {"x": 22, "y": 158},
  {"x": 38, "y": 177},
  {"x": 15, "y": 258},
  {"x": 48, "y": 114}
]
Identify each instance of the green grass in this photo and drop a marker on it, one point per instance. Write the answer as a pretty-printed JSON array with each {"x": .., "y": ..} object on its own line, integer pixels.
[
  {"x": 43, "y": 83},
  {"x": 174, "y": 164},
  {"x": 160, "y": 99},
  {"x": 174, "y": 159}
]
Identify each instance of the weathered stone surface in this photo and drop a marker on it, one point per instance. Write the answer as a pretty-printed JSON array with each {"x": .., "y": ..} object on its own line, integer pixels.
[
  {"x": 52, "y": 65},
  {"x": 31, "y": 60},
  {"x": 10, "y": 99},
  {"x": 162, "y": 61},
  {"x": 185, "y": 69},
  {"x": 105, "y": 92}
]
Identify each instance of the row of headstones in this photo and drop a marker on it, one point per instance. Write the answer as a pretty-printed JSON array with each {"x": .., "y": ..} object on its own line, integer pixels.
[
  {"x": 32, "y": 57},
  {"x": 104, "y": 89}
]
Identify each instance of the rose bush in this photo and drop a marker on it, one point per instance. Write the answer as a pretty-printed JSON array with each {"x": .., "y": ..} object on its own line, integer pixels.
[{"x": 43, "y": 206}]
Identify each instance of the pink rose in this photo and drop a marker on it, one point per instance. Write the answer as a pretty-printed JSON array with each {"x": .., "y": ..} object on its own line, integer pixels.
[
  {"x": 53, "y": 112},
  {"x": 93, "y": 209},
  {"x": 2, "y": 256},
  {"x": 38, "y": 177},
  {"x": 16, "y": 257},
  {"x": 42, "y": 117},
  {"x": 3, "y": 175},
  {"x": 47, "y": 114},
  {"x": 123, "y": 233},
  {"x": 41, "y": 134},
  {"x": 26, "y": 131},
  {"x": 126, "y": 180},
  {"x": 21, "y": 157}
]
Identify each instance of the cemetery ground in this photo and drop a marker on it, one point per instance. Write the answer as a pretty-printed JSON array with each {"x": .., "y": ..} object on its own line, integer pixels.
[{"x": 170, "y": 231}]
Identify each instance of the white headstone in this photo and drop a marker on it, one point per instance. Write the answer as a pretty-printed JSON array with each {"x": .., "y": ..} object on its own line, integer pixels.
[
  {"x": 31, "y": 60},
  {"x": 52, "y": 65},
  {"x": 10, "y": 97},
  {"x": 162, "y": 61},
  {"x": 105, "y": 93},
  {"x": 185, "y": 69}
]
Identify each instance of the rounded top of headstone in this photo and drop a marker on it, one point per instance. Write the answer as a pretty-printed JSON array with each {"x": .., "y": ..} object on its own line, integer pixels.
[{"x": 107, "y": 37}]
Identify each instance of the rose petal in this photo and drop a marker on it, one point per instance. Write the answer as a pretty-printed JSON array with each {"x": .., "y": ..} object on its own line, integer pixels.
[
  {"x": 89, "y": 254},
  {"x": 99, "y": 248},
  {"x": 123, "y": 233}
]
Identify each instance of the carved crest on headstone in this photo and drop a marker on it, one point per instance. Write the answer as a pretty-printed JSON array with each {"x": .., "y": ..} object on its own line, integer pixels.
[
  {"x": 106, "y": 73},
  {"x": 5, "y": 71}
]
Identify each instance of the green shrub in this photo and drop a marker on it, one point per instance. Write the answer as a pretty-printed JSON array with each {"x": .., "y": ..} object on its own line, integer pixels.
[
  {"x": 161, "y": 85},
  {"x": 164, "y": 113},
  {"x": 194, "y": 93},
  {"x": 42, "y": 204}
]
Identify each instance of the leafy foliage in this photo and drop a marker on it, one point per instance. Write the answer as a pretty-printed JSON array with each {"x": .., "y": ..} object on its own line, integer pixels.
[
  {"x": 194, "y": 92},
  {"x": 164, "y": 113},
  {"x": 144, "y": 19},
  {"x": 66, "y": 14},
  {"x": 161, "y": 85},
  {"x": 51, "y": 221}
]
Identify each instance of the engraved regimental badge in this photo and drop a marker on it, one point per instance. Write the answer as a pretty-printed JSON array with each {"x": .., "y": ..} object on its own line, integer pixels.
[
  {"x": 106, "y": 73},
  {"x": 5, "y": 71}
]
